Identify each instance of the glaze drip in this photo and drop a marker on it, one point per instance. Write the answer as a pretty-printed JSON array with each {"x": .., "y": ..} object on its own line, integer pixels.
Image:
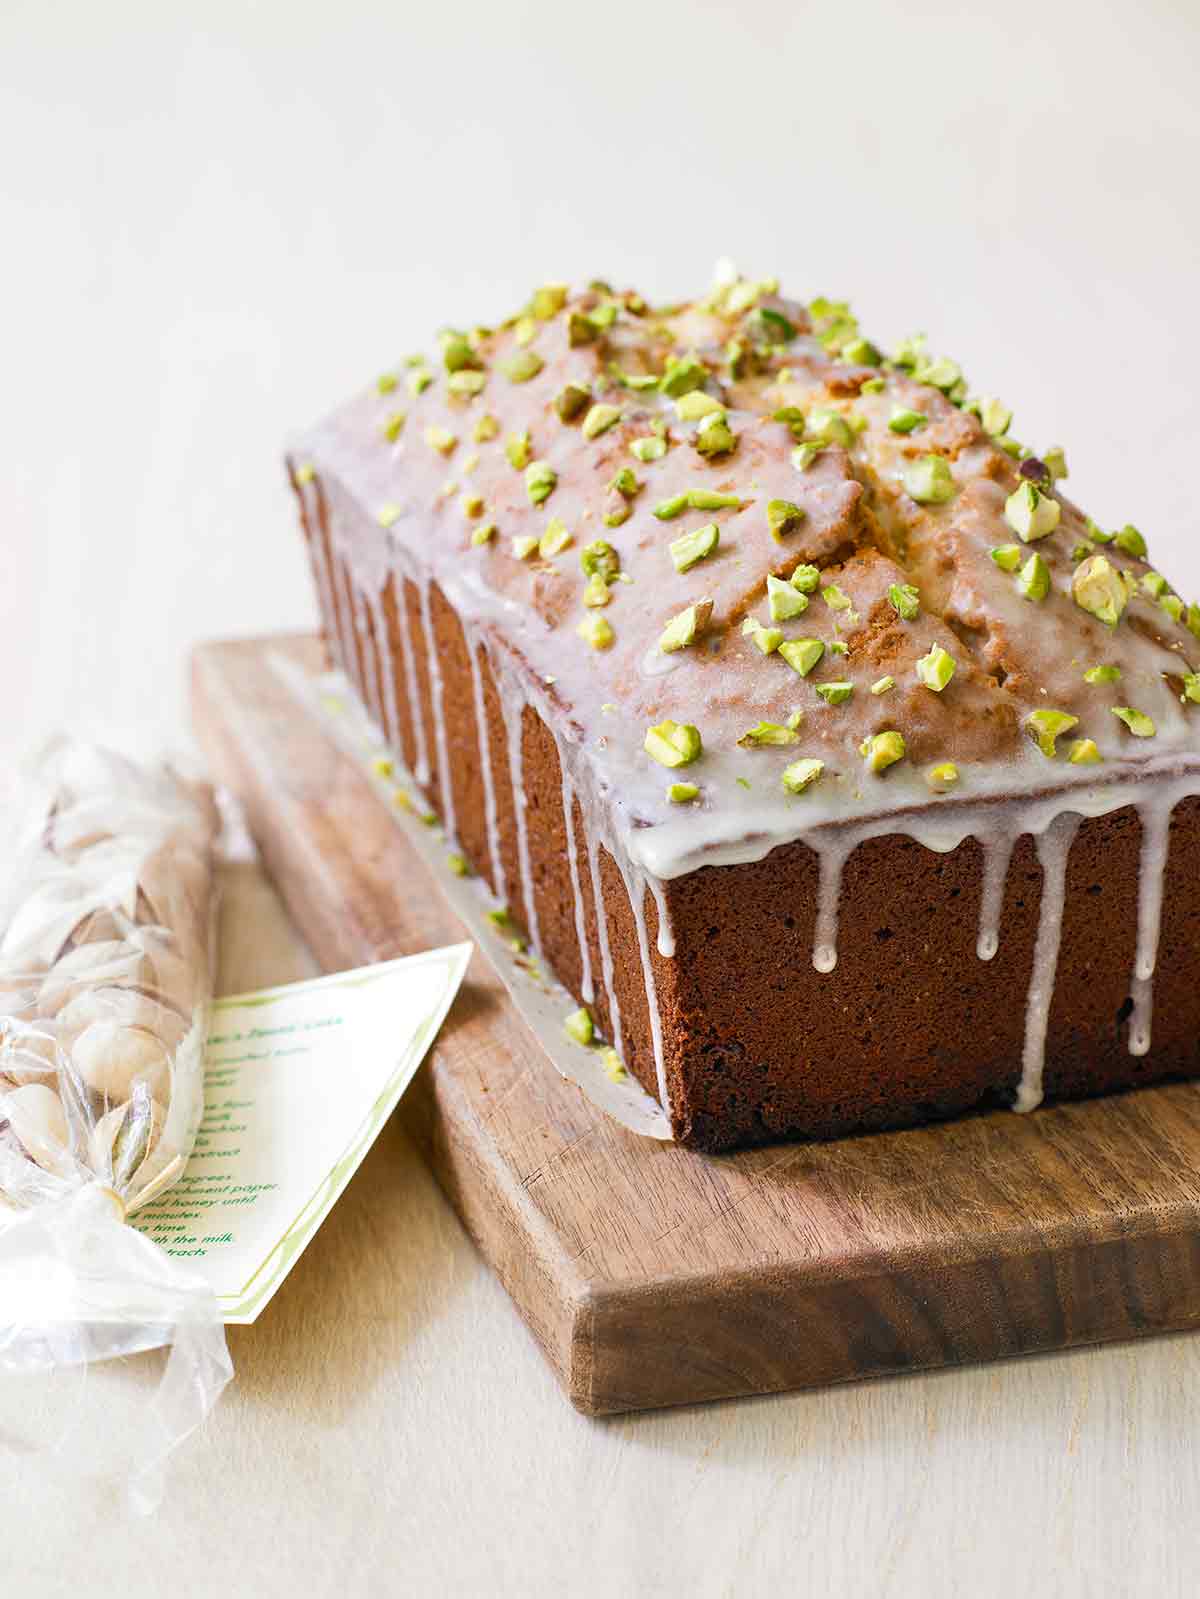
[
  {"x": 1155, "y": 815},
  {"x": 1053, "y": 847}
]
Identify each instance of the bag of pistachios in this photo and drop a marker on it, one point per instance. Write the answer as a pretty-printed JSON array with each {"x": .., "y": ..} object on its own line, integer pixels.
[{"x": 106, "y": 937}]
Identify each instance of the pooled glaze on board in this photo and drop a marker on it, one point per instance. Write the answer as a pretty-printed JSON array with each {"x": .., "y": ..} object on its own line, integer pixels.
[{"x": 864, "y": 531}]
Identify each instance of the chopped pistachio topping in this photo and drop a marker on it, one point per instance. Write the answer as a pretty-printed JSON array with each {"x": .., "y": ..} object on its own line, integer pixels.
[
  {"x": 472, "y": 504},
  {"x": 484, "y": 533},
  {"x": 1138, "y": 723},
  {"x": 873, "y": 386},
  {"x": 792, "y": 417},
  {"x": 929, "y": 480},
  {"x": 805, "y": 579},
  {"x": 600, "y": 559},
  {"x": 1083, "y": 752},
  {"x": 596, "y": 631},
  {"x": 571, "y": 400},
  {"x": 393, "y": 425},
  {"x": 305, "y": 472},
  {"x": 1131, "y": 541},
  {"x": 673, "y": 743},
  {"x": 1193, "y": 620},
  {"x": 581, "y": 330},
  {"x": 596, "y": 592},
  {"x": 936, "y": 669},
  {"x": 649, "y": 448},
  {"x": 1030, "y": 513},
  {"x": 785, "y": 601},
  {"x": 764, "y": 734},
  {"x": 770, "y": 326},
  {"x": 682, "y": 793},
  {"x": 801, "y": 775},
  {"x": 1055, "y": 461},
  {"x": 905, "y": 599},
  {"x": 486, "y": 428},
  {"x": 1102, "y": 674},
  {"x": 714, "y": 436},
  {"x": 668, "y": 510},
  {"x": 599, "y": 419},
  {"x": 1044, "y": 727},
  {"x": 824, "y": 425},
  {"x": 554, "y": 540},
  {"x": 682, "y": 375},
  {"x": 710, "y": 500},
  {"x": 839, "y": 647},
  {"x": 609, "y": 1059},
  {"x": 835, "y": 598},
  {"x": 522, "y": 365},
  {"x": 942, "y": 777},
  {"x": 540, "y": 479},
  {"x": 466, "y": 383},
  {"x": 1173, "y": 606},
  {"x": 388, "y": 514},
  {"x": 902, "y": 420},
  {"x": 441, "y": 440},
  {"x": 524, "y": 546},
  {"x": 804, "y": 455},
  {"x": 1033, "y": 580},
  {"x": 459, "y": 865},
  {"x": 784, "y": 517},
  {"x": 1191, "y": 688},
  {"x": 861, "y": 352},
  {"x": 548, "y": 301},
  {"x": 882, "y": 750},
  {"x": 685, "y": 628},
  {"x": 834, "y": 693},
  {"x": 578, "y": 1026},
  {"x": 693, "y": 405},
  {"x": 625, "y": 484},
  {"x": 802, "y": 654},
  {"x": 519, "y": 448},
  {"x": 385, "y": 382},
  {"x": 458, "y": 355},
  {"x": 1081, "y": 551},
  {"x": 766, "y": 639},
  {"x": 694, "y": 546},
  {"x": 883, "y": 685},
  {"x": 1097, "y": 588},
  {"x": 419, "y": 380},
  {"x": 995, "y": 416}
]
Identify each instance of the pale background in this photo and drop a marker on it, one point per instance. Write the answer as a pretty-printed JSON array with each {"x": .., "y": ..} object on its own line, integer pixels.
[{"x": 216, "y": 220}]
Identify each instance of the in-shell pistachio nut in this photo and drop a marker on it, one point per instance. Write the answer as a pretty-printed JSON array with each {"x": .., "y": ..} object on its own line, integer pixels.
[{"x": 35, "y": 1114}]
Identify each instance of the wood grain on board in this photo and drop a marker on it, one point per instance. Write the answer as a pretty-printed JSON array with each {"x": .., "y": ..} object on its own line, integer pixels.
[{"x": 652, "y": 1276}]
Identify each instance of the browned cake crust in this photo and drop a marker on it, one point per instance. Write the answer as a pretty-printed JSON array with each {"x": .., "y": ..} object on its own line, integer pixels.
[{"x": 757, "y": 1040}]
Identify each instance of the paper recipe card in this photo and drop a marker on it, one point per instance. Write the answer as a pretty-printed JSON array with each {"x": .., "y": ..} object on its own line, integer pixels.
[{"x": 299, "y": 1081}]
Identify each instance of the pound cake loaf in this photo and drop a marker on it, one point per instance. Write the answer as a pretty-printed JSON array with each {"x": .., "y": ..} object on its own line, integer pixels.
[{"x": 842, "y": 769}]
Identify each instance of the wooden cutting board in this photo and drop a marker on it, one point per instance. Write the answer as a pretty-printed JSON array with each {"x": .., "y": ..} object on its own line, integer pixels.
[{"x": 653, "y": 1276}]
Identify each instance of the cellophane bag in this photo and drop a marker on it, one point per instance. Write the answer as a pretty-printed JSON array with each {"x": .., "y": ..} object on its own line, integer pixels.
[{"x": 106, "y": 950}]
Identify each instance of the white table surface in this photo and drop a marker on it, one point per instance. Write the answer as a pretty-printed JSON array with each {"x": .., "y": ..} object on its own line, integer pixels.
[{"x": 216, "y": 220}]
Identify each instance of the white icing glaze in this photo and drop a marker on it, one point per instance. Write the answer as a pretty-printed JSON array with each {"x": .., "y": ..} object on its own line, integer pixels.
[
  {"x": 1053, "y": 846},
  {"x": 587, "y": 990},
  {"x": 491, "y": 818},
  {"x": 437, "y": 699},
  {"x": 997, "y": 853}
]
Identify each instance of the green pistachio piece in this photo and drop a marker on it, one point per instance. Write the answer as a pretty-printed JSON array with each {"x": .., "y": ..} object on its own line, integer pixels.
[
  {"x": 571, "y": 400},
  {"x": 943, "y": 777},
  {"x": 1191, "y": 688},
  {"x": 1096, "y": 587},
  {"x": 518, "y": 447},
  {"x": 618, "y": 514},
  {"x": 939, "y": 371},
  {"x": 801, "y": 775},
  {"x": 882, "y": 750},
  {"x": 466, "y": 383},
  {"x": 1044, "y": 727},
  {"x": 1055, "y": 461},
  {"x": 792, "y": 416},
  {"x": 682, "y": 793},
  {"x": 638, "y": 381},
  {"x": 714, "y": 436},
  {"x": 710, "y": 500},
  {"x": 783, "y": 517},
  {"x": 1095, "y": 531},
  {"x": 599, "y": 559},
  {"x": 993, "y": 414},
  {"x": 668, "y": 510},
  {"x": 804, "y": 455},
  {"x": 648, "y": 448},
  {"x": 905, "y": 599},
  {"x": 525, "y": 330},
  {"x": 805, "y": 579},
  {"x": 609, "y": 1059},
  {"x": 673, "y": 743},
  {"x": 459, "y": 865},
  {"x": 578, "y": 1026},
  {"x": 548, "y": 301},
  {"x": 838, "y": 647},
  {"x": 388, "y": 514},
  {"x": 596, "y": 631},
  {"x": 883, "y": 685},
  {"x": 764, "y": 734},
  {"x": 683, "y": 375},
  {"x": 936, "y": 669},
  {"x": 457, "y": 353},
  {"x": 1173, "y": 606},
  {"x": 902, "y": 420},
  {"x": 1033, "y": 580},
  {"x": 685, "y": 628},
  {"x": 595, "y": 592},
  {"x": 1102, "y": 674},
  {"x": 861, "y": 352},
  {"x": 1083, "y": 752},
  {"x": 693, "y": 405},
  {"x": 522, "y": 365},
  {"x": 581, "y": 330},
  {"x": 834, "y": 598},
  {"x": 385, "y": 382},
  {"x": 419, "y": 380},
  {"x": 691, "y": 547},
  {"x": 1193, "y": 620},
  {"x": 625, "y": 484},
  {"x": 1138, "y": 723},
  {"x": 771, "y": 327},
  {"x": 486, "y": 428},
  {"x": 305, "y": 472},
  {"x": 540, "y": 479},
  {"x": 1081, "y": 551},
  {"x": 766, "y": 639},
  {"x": 834, "y": 693},
  {"x": 873, "y": 386},
  {"x": 827, "y": 426},
  {"x": 802, "y": 654},
  {"x": 472, "y": 504},
  {"x": 393, "y": 425},
  {"x": 554, "y": 540},
  {"x": 929, "y": 480},
  {"x": 484, "y": 533},
  {"x": 1030, "y": 513},
  {"x": 599, "y": 419},
  {"x": 785, "y": 601},
  {"x": 795, "y": 719},
  {"x": 909, "y": 351},
  {"x": 441, "y": 440},
  {"x": 1131, "y": 541},
  {"x": 524, "y": 546}
]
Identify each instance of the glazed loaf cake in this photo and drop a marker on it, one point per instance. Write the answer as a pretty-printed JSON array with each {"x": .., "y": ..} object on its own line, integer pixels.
[{"x": 843, "y": 769}]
